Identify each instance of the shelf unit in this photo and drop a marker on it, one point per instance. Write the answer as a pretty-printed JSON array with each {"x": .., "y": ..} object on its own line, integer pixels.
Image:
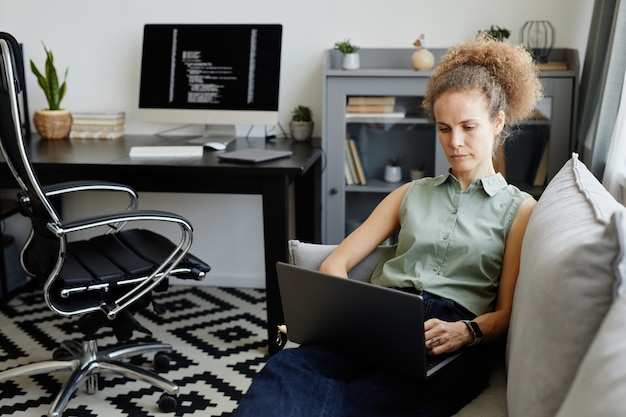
[{"x": 407, "y": 134}]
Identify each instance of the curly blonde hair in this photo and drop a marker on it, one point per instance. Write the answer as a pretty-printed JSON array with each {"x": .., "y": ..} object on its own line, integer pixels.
[{"x": 505, "y": 73}]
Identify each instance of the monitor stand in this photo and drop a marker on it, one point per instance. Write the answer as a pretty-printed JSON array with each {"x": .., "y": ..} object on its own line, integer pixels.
[{"x": 215, "y": 133}]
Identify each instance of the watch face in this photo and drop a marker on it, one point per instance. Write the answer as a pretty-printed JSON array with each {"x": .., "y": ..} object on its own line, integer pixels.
[{"x": 476, "y": 328}]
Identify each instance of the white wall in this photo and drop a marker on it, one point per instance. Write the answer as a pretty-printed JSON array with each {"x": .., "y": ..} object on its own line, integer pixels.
[{"x": 100, "y": 42}]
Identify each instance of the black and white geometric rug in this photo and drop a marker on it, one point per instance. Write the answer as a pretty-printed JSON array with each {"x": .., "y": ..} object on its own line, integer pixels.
[{"x": 218, "y": 335}]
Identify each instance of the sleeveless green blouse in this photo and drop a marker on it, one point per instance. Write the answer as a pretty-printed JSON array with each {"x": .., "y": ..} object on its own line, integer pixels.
[{"x": 451, "y": 242}]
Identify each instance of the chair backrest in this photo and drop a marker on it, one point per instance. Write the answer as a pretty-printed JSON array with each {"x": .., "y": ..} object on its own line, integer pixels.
[
  {"x": 39, "y": 207},
  {"x": 103, "y": 276}
]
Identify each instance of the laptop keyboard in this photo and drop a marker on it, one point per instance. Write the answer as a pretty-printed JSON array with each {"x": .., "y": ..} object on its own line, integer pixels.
[{"x": 432, "y": 361}]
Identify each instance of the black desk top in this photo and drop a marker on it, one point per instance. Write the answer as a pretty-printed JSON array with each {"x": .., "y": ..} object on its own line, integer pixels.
[
  {"x": 115, "y": 152},
  {"x": 70, "y": 159}
]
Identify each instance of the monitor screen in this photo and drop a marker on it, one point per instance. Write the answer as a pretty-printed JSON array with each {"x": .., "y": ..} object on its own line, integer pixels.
[{"x": 210, "y": 74}]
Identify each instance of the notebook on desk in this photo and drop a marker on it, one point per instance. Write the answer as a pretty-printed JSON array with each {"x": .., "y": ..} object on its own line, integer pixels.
[
  {"x": 377, "y": 325},
  {"x": 253, "y": 155}
]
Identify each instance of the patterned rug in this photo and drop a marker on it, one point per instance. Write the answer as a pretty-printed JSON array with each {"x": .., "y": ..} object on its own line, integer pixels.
[{"x": 218, "y": 336}]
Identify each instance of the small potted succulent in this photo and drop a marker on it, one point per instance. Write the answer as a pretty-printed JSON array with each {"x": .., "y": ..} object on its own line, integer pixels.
[
  {"x": 350, "y": 59},
  {"x": 393, "y": 169},
  {"x": 53, "y": 122},
  {"x": 301, "y": 124}
]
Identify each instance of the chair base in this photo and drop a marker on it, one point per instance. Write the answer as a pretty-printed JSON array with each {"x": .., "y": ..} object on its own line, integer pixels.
[{"x": 85, "y": 363}]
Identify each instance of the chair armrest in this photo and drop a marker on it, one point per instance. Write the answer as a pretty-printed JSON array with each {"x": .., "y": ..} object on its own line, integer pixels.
[
  {"x": 117, "y": 218},
  {"x": 311, "y": 256},
  {"x": 76, "y": 186},
  {"x": 59, "y": 189}
]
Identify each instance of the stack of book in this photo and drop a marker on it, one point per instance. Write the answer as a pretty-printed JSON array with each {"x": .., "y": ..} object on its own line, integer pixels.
[
  {"x": 106, "y": 125},
  {"x": 372, "y": 106},
  {"x": 354, "y": 169}
]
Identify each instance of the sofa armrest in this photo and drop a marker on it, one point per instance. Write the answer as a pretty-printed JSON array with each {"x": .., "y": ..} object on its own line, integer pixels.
[{"x": 311, "y": 256}]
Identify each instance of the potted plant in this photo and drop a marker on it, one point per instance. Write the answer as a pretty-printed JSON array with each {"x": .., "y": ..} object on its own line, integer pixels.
[
  {"x": 393, "y": 169},
  {"x": 53, "y": 122},
  {"x": 350, "y": 59},
  {"x": 301, "y": 124},
  {"x": 497, "y": 33}
]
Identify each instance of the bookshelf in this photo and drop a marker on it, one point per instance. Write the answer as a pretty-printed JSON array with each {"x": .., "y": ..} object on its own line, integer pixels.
[{"x": 393, "y": 126}]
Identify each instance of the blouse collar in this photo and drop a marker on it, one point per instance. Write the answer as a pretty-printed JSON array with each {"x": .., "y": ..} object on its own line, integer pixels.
[{"x": 492, "y": 184}]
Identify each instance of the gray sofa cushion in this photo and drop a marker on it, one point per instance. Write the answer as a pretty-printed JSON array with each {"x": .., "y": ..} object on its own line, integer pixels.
[
  {"x": 565, "y": 287},
  {"x": 599, "y": 388}
]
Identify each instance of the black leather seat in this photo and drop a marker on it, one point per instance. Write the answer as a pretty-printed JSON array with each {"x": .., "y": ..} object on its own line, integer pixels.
[{"x": 101, "y": 280}]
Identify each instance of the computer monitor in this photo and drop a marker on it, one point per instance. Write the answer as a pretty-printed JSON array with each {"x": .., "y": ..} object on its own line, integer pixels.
[{"x": 216, "y": 75}]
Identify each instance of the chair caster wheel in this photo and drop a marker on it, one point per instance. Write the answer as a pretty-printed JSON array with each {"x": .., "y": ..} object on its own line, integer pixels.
[
  {"x": 61, "y": 354},
  {"x": 167, "y": 403},
  {"x": 162, "y": 362}
]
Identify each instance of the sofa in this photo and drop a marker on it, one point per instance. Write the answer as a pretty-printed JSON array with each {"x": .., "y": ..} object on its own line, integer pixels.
[{"x": 565, "y": 354}]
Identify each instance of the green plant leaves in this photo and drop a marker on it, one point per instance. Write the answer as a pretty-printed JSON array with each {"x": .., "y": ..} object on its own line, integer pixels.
[{"x": 50, "y": 82}]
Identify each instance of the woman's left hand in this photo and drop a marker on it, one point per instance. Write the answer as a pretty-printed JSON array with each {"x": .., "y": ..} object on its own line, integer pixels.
[{"x": 444, "y": 336}]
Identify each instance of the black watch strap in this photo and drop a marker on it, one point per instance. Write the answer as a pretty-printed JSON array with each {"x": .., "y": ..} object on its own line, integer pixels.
[{"x": 475, "y": 331}]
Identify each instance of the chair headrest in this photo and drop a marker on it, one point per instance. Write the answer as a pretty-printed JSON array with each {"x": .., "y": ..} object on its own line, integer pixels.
[{"x": 18, "y": 63}]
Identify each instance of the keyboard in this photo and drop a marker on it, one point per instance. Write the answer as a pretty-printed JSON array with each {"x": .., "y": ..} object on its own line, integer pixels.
[{"x": 166, "y": 152}]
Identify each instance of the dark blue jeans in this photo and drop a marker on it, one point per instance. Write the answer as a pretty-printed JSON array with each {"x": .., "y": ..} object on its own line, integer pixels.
[{"x": 316, "y": 381}]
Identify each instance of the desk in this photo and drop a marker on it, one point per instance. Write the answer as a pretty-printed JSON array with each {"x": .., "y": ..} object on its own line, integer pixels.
[{"x": 65, "y": 160}]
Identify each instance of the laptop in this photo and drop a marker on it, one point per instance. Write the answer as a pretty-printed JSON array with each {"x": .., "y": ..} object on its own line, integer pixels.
[
  {"x": 254, "y": 155},
  {"x": 377, "y": 325}
]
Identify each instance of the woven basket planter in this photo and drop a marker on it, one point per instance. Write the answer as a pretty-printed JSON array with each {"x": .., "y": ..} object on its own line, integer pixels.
[{"x": 53, "y": 124}]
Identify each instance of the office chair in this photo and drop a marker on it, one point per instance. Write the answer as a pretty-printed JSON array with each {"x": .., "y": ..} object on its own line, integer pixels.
[{"x": 103, "y": 279}]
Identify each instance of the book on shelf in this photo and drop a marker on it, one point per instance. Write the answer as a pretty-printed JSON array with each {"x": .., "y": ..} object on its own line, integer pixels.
[
  {"x": 392, "y": 115},
  {"x": 351, "y": 163},
  {"x": 553, "y": 66},
  {"x": 356, "y": 155},
  {"x": 369, "y": 108},
  {"x": 347, "y": 171},
  {"x": 95, "y": 135},
  {"x": 371, "y": 101}
]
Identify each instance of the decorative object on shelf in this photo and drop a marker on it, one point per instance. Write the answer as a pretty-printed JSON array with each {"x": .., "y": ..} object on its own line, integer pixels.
[
  {"x": 301, "y": 124},
  {"x": 497, "y": 33},
  {"x": 53, "y": 122},
  {"x": 350, "y": 59},
  {"x": 538, "y": 36},
  {"x": 417, "y": 173},
  {"x": 422, "y": 59},
  {"x": 393, "y": 170}
]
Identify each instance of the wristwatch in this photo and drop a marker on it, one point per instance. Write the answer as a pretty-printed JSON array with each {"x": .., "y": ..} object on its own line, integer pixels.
[{"x": 474, "y": 330}]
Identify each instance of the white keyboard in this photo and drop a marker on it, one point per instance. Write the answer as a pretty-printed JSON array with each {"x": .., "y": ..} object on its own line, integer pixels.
[{"x": 166, "y": 152}]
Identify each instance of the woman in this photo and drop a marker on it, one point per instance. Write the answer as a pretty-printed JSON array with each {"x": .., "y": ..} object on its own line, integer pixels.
[{"x": 458, "y": 246}]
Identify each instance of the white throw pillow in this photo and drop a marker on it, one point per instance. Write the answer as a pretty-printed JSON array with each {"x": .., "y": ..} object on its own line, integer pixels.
[{"x": 565, "y": 287}]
